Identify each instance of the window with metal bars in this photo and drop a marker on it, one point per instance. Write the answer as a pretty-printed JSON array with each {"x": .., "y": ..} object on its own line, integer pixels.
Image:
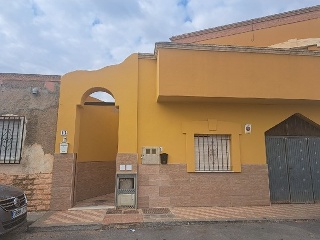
[
  {"x": 11, "y": 139},
  {"x": 212, "y": 152}
]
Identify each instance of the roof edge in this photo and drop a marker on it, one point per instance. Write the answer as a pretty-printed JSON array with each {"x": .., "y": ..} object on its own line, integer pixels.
[
  {"x": 146, "y": 56},
  {"x": 231, "y": 48},
  {"x": 250, "y": 22},
  {"x": 29, "y": 77}
]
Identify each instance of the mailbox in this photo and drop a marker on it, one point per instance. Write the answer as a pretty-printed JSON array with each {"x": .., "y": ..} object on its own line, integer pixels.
[{"x": 126, "y": 190}]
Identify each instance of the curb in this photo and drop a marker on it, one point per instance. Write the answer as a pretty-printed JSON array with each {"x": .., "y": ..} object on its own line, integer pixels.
[
  {"x": 99, "y": 226},
  {"x": 39, "y": 225},
  {"x": 202, "y": 222},
  {"x": 60, "y": 228}
]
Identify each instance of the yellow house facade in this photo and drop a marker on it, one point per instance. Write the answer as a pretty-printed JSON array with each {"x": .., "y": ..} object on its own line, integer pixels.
[{"x": 237, "y": 118}]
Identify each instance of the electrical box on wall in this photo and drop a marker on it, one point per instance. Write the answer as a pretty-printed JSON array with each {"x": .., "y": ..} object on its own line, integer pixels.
[{"x": 151, "y": 155}]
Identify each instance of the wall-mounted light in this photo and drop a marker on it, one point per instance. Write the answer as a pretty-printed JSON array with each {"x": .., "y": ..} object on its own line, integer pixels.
[{"x": 35, "y": 90}]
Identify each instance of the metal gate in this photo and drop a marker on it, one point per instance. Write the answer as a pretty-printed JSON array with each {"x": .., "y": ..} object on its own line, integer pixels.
[
  {"x": 294, "y": 169},
  {"x": 314, "y": 157}
]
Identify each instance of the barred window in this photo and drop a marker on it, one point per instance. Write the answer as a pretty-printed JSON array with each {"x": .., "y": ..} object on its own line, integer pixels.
[
  {"x": 212, "y": 152},
  {"x": 11, "y": 138}
]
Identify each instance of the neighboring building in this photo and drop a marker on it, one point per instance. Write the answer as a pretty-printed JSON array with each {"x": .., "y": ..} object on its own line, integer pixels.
[{"x": 28, "y": 116}]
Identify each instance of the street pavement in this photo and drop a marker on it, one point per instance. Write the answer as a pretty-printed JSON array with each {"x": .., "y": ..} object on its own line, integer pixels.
[{"x": 97, "y": 219}]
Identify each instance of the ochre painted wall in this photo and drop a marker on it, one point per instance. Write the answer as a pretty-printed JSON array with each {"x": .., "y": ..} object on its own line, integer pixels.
[
  {"x": 234, "y": 74},
  {"x": 145, "y": 122},
  {"x": 269, "y": 36},
  {"x": 98, "y": 133},
  {"x": 121, "y": 81},
  {"x": 161, "y": 123}
]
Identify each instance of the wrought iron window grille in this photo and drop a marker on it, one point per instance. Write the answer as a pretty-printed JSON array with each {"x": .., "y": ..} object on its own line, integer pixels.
[
  {"x": 212, "y": 152},
  {"x": 11, "y": 139}
]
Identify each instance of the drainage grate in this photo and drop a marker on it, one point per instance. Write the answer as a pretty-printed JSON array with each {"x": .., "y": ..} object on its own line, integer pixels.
[
  {"x": 114, "y": 211},
  {"x": 130, "y": 211},
  {"x": 156, "y": 211},
  {"x": 122, "y": 211}
]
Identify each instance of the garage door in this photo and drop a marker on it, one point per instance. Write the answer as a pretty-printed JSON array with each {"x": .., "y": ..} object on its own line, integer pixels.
[
  {"x": 294, "y": 161},
  {"x": 293, "y": 165}
]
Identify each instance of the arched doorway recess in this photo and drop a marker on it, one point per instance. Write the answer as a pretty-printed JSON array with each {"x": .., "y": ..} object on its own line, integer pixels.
[{"x": 97, "y": 150}]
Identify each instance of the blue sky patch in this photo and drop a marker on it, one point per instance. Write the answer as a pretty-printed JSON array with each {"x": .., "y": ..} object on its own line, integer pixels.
[
  {"x": 96, "y": 21},
  {"x": 188, "y": 19},
  {"x": 183, "y": 3},
  {"x": 36, "y": 10}
]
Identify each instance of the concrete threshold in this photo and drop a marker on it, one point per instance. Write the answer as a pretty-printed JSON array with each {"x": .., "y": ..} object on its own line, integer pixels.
[{"x": 101, "y": 207}]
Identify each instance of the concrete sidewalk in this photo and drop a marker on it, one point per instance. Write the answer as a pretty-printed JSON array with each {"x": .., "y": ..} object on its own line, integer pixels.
[{"x": 94, "y": 219}]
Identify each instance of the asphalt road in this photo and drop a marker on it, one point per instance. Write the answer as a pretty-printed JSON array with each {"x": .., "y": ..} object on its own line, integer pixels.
[{"x": 302, "y": 230}]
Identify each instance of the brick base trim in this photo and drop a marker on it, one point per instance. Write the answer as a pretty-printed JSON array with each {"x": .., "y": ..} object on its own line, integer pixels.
[{"x": 172, "y": 186}]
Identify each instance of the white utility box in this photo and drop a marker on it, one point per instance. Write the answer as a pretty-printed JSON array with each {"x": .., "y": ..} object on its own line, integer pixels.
[
  {"x": 151, "y": 155},
  {"x": 64, "y": 147}
]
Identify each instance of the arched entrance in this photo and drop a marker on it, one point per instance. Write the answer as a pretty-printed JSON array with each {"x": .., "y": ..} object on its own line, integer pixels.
[
  {"x": 121, "y": 81},
  {"x": 293, "y": 157},
  {"x": 97, "y": 150}
]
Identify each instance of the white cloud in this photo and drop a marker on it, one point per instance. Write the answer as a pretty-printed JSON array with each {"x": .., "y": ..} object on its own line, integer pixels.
[{"x": 58, "y": 36}]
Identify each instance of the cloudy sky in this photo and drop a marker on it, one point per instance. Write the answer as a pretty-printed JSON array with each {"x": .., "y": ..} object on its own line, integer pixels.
[{"x": 59, "y": 36}]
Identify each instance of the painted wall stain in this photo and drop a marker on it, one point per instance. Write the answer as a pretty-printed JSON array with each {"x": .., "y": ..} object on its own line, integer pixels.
[
  {"x": 34, "y": 160},
  {"x": 50, "y": 86}
]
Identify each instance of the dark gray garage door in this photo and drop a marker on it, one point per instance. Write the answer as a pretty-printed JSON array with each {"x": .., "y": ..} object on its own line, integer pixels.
[
  {"x": 293, "y": 157},
  {"x": 294, "y": 169}
]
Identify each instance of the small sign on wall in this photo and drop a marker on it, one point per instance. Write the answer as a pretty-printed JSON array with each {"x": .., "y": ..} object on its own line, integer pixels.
[
  {"x": 129, "y": 167},
  {"x": 247, "y": 128},
  {"x": 64, "y": 133},
  {"x": 125, "y": 167}
]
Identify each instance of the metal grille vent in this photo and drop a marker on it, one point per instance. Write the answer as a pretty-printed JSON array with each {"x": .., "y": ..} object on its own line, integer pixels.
[
  {"x": 122, "y": 211},
  {"x": 156, "y": 211}
]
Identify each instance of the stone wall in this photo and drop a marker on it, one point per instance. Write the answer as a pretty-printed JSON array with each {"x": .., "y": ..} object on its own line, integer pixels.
[
  {"x": 34, "y": 173},
  {"x": 37, "y": 188},
  {"x": 172, "y": 186}
]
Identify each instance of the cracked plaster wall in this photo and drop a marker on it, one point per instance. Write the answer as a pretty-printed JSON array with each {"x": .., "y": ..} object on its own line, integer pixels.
[{"x": 40, "y": 110}]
